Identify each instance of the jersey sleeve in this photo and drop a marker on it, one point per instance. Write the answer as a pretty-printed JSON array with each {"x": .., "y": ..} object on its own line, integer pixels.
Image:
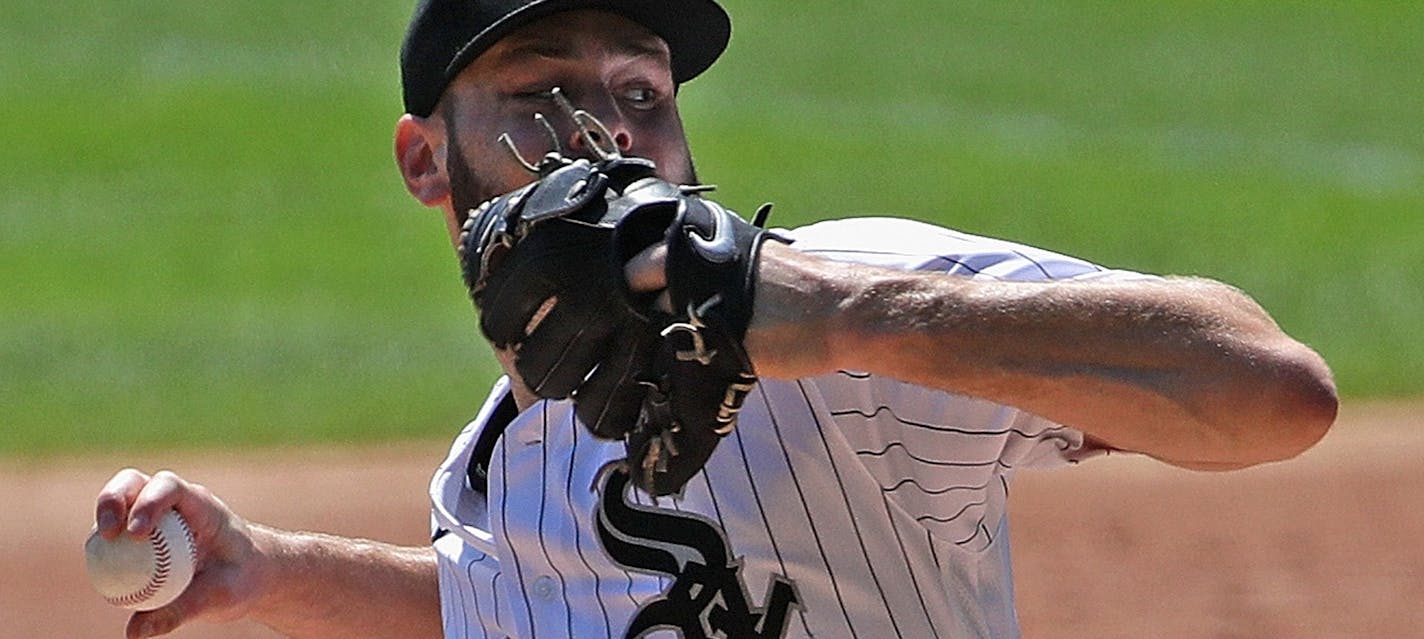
[{"x": 918, "y": 246}]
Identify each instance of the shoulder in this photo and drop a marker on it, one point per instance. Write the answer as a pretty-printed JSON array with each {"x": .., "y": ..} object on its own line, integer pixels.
[{"x": 914, "y": 245}]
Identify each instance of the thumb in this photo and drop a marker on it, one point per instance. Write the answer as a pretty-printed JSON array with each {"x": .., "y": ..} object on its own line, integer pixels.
[
  {"x": 646, "y": 271},
  {"x": 153, "y": 623},
  {"x": 200, "y": 597}
]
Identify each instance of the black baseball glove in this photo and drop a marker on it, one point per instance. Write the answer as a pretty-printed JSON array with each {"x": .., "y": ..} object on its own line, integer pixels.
[
  {"x": 700, "y": 374},
  {"x": 542, "y": 271},
  {"x": 544, "y": 265}
]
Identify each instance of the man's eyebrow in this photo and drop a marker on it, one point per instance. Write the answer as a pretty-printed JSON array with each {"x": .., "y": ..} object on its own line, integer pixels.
[
  {"x": 556, "y": 49},
  {"x": 536, "y": 48},
  {"x": 641, "y": 47}
]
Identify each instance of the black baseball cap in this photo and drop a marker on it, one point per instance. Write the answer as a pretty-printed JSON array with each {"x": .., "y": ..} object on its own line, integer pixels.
[{"x": 446, "y": 35}]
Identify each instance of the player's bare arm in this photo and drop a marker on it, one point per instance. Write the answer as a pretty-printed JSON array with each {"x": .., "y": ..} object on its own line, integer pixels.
[
  {"x": 1190, "y": 371},
  {"x": 318, "y": 585},
  {"x": 301, "y": 584}
]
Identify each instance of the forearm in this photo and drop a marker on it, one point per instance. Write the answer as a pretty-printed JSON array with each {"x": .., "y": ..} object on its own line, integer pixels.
[
  {"x": 316, "y": 585},
  {"x": 1189, "y": 371}
]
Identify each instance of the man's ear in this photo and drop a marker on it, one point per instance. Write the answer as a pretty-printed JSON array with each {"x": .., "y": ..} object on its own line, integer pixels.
[{"x": 420, "y": 154}]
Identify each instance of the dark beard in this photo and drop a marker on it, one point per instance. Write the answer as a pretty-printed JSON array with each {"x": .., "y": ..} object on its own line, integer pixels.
[{"x": 467, "y": 190}]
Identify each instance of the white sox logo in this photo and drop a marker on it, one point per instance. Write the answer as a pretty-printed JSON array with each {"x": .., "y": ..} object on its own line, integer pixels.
[{"x": 707, "y": 598}]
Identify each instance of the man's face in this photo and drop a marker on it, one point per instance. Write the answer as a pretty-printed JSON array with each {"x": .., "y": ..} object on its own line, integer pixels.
[{"x": 605, "y": 64}]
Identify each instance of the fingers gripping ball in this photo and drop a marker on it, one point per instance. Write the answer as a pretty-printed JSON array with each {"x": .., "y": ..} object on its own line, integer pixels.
[{"x": 143, "y": 574}]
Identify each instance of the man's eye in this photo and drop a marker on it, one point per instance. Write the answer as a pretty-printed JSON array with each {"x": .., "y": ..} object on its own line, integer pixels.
[{"x": 640, "y": 97}]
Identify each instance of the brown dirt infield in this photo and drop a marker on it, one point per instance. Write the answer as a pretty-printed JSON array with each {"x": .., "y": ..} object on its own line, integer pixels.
[{"x": 1328, "y": 545}]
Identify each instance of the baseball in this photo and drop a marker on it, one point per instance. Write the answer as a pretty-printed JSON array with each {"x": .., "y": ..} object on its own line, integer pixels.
[{"x": 143, "y": 574}]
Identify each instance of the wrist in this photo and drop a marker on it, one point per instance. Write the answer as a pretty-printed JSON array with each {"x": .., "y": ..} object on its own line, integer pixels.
[
  {"x": 797, "y": 323},
  {"x": 284, "y": 592},
  {"x": 272, "y": 551}
]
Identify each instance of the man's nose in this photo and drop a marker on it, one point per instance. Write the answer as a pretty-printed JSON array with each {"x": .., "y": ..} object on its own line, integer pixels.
[{"x": 614, "y": 134}]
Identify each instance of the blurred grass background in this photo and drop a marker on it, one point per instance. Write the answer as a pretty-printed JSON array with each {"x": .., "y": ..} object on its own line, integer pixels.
[{"x": 204, "y": 242}]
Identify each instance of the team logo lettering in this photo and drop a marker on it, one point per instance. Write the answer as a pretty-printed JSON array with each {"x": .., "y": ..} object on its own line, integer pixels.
[{"x": 707, "y": 598}]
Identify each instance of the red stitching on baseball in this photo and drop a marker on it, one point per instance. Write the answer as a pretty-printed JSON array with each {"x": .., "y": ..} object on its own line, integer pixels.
[{"x": 163, "y": 562}]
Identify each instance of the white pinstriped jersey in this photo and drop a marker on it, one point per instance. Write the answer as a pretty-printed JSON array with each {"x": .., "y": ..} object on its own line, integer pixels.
[{"x": 847, "y": 505}]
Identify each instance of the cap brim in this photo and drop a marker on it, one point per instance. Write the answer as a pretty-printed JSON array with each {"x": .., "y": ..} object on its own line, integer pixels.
[{"x": 696, "y": 31}]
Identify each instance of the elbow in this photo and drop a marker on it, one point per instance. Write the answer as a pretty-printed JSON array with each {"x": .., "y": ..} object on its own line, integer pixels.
[
  {"x": 1313, "y": 416},
  {"x": 1300, "y": 408}
]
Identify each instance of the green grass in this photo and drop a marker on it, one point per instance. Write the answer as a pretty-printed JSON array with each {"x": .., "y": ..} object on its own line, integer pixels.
[{"x": 203, "y": 239}]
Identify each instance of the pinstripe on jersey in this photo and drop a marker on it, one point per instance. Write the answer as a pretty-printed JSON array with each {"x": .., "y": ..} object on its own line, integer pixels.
[{"x": 881, "y": 502}]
